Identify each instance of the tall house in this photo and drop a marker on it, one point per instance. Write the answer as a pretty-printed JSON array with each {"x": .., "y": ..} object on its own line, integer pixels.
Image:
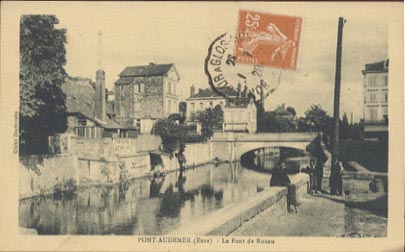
[
  {"x": 144, "y": 94},
  {"x": 375, "y": 109}
]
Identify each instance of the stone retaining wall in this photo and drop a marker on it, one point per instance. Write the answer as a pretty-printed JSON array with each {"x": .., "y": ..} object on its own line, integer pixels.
[{"x": 228, "y": 219}]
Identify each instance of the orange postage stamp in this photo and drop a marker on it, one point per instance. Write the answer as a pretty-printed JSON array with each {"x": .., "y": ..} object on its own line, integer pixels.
[{"x": 268, "y": 39}]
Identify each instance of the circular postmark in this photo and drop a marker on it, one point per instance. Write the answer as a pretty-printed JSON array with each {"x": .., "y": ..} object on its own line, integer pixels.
[{"x": 224, "y": 72}]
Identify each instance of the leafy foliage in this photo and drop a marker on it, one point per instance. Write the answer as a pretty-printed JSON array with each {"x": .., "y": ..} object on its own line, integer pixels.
[
  {"x": 42, "y": 102},
  {"x": 173, "y": 135},
  {"x": 211, "y": 119},
  {"x": 279, "y": 120},
  {"x": 318, "y": 118}
]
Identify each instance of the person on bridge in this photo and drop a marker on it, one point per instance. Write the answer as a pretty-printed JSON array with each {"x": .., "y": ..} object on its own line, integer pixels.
[{"x": 279, "y": 177}]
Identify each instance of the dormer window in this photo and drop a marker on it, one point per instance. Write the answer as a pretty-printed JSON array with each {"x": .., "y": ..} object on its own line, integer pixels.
[{"x": 81, "y": 120}]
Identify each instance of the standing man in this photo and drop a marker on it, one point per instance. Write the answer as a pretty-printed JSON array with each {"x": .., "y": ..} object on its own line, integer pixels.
[{"x": 319, "y": 175}]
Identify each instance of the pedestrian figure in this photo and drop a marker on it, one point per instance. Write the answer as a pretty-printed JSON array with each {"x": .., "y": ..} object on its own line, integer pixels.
[
  {"x": 279, "y": 177},
  {"x": 316, "y": 150},
  {"x": 310, "y": 170},
  {"x": 319, "y": 175}
]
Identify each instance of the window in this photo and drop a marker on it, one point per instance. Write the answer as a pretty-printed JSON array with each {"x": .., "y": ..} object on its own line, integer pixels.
[
  {"x": 373, "y": 97},
  {"x": 175, "y": 107},
  {"x": 192, "y": 106},
  {"x": 371, "y": 81},
  {"x": 385, "y": 111},
  {"x": 211, "y": 104},
  {"x": 201, "y": 106},
  {"x": 138, "y": 88},
  {"x": 169, "y": 105},
  {"x": 373, "y": 114},
  {"x": 385, "y": 81},
  {"x": 385, "y": 96},
  {"x": 221, "y": 104},
  {"x": 169, "y": 88},
  {"x": 81, "y": 121},
  {"x": 174, "y": 88}
]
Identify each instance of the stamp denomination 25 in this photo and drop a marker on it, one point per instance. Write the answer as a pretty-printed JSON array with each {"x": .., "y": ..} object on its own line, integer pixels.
[{"x": 268, "y": 40}]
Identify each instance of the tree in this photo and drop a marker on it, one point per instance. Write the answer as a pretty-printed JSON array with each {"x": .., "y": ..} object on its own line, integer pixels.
[
  {"x": 260, "y": 113},
  {"x": 183, "y": 108},
  {"x": 172, "y": 134},
  {"x": 345, "y": 130},
  {"x": 207, "y": 121},
  {"x": 42, "y": 73},
  {"x": 317, "y": 118},
  {"x": 292, "y": 111},
  {"x": 218, "y": 114}
]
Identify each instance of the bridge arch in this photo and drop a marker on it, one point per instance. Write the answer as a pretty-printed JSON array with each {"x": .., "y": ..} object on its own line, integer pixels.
[{"x": 232, "y": 146}]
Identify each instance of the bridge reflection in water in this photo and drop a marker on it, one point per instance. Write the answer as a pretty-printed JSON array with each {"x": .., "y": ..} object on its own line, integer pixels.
[
  {"x": 265, "y": 159},
  {"x": 144, "y": 207}
]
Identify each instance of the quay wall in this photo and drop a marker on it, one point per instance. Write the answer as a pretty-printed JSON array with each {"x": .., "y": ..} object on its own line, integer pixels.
[
  {"x": 196, "y": 154},
  {"x": 40, "y": 173},
  {"x": 226, "y": 220},
  {"x": 100, "y": 161}
]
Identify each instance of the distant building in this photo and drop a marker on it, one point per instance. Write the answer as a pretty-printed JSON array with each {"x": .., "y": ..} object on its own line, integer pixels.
[
  {"x": 240, "y": 116},
  {"x": 205, "y": 98},
  {"x": 375, "y": 108},
  {"x": 144, "y": 94},
  {"x": 88, "y": 115}
]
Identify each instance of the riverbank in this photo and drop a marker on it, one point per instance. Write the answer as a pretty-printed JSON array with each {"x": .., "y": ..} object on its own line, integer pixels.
[
  {"x": 41, "y": 174},
  {"x": 223, "y": 222},
  {"x": 361, "y": 215},
  {"x": 146, "y": 206}
]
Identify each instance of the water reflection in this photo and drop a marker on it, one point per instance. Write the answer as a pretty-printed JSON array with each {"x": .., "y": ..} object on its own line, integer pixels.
[
  {"x": 144, "y": 206},
  {"x": 265, "y": 159}
]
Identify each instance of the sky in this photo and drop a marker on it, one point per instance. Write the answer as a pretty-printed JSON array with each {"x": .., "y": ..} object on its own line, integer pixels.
[{"x": 180, "y": 33}]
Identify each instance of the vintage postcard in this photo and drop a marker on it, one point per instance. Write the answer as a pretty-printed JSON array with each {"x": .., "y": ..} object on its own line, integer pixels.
[{"x": 202, "y": 126}]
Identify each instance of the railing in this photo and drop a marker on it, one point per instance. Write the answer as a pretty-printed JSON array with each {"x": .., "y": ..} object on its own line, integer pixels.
[
  {"x": 88, "y": 132},
  {"x": 264, "y": 137}
]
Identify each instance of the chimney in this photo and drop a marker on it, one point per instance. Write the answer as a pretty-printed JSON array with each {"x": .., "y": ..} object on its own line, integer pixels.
[
  {"x": 100, "y": 105},
  {"x": 192, "y": 90}
]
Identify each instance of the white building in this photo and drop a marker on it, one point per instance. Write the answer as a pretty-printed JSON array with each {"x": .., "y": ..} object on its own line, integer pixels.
[
  {"x": 375, "y": 108},
  {"x": 205, "y": 98},
  {"x": 240, "y": 116}
]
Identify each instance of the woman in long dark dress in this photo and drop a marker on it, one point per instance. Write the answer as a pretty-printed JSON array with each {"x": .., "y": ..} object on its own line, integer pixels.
[{"x": 279, "y": 177}]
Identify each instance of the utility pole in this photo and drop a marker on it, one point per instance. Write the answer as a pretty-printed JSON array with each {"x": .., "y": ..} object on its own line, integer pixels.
[{"x": 335, "y": 176}]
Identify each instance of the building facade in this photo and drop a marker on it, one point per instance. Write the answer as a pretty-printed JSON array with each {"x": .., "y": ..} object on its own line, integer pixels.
[
  {"x": 87, "y": 113},
  {"x": 240, "y": 116},
  {"x": 205, "y": 98},
  {"x": 144, "y": 94},
  {"x": 375, "y": 107}
]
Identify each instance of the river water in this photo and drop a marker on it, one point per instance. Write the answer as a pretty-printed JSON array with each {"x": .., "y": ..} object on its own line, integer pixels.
[{"x": 145, "y": 206}]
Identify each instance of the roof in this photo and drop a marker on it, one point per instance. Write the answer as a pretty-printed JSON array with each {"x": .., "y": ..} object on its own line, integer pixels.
[
  {"x": 239, "y": 103},
  {"x": 208, "y": 92},
  {"x": 80, "y": 100},
  {"x": 381, "y": 66},
  {"x": 147, "y": 70},
  {"x": 79, "y": 96}
]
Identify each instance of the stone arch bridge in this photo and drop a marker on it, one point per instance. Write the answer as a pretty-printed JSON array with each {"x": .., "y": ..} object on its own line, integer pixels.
[{"x": 231, "y": 146}]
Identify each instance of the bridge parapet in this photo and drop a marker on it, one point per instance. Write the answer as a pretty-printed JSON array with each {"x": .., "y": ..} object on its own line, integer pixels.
[
  {"x": 231, "y": 146},
  {"x": 264, "y": 137}
]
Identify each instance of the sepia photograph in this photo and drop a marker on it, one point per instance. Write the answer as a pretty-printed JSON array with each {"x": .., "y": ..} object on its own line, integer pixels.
[{"x": 206, "y": 124}]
